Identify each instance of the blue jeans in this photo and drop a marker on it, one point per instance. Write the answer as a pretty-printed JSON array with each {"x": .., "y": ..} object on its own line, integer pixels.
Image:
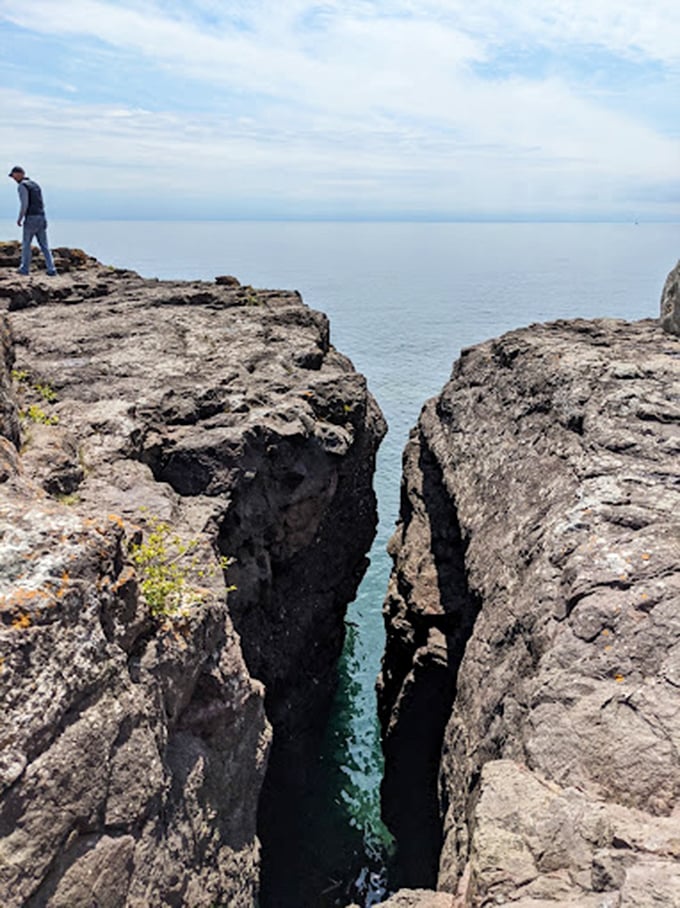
[{"x": 35, "y": 225}]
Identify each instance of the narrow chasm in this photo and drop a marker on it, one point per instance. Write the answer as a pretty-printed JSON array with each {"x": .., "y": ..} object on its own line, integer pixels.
[
  {"x": 295, "y": 569},
  {"x": 429, "y": 615}
]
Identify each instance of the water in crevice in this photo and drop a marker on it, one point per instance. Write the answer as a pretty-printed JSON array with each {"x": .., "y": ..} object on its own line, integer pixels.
[{"x": 329, "y": 847}]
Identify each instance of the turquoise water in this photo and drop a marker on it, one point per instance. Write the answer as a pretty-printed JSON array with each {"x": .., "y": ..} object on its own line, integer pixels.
[{"x": 403, "y": 299}]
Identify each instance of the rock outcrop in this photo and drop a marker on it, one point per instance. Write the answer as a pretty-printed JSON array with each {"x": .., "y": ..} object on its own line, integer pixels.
[
  {"x": 670, "y": 302},
  {"x": 530, "y": 691},
  {"x": 186, "y": 424}
]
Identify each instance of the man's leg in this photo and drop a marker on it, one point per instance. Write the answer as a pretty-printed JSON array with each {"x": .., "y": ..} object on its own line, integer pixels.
[
  {"x": 26, "y": 241},
  {"x": 41, "y": 236}
]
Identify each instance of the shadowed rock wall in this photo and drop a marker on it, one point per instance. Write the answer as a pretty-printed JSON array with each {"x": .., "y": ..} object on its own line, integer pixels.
[
  {"x": 670, "y": 302},
  {"x": 534, "y": 612},
  {"x": 134, "y": 745}
]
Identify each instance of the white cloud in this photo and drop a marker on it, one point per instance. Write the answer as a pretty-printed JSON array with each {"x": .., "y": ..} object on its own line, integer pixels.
[{"x": 380, "y": 100}]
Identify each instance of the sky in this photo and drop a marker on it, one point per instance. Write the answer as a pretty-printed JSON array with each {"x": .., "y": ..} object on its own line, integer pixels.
[{"x": 363, "y": 109}]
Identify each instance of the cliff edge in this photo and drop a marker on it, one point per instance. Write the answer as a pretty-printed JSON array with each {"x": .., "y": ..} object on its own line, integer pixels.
[
  {"x": 530, "y": 689},
  {"x": 153, "y": 434}
]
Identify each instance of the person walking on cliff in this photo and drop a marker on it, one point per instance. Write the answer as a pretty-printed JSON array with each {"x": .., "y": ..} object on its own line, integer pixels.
[{"x": 32, "y": 216}]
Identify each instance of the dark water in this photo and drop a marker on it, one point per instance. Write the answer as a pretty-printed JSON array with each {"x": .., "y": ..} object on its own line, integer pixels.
[{"x": 403, "y": 299}]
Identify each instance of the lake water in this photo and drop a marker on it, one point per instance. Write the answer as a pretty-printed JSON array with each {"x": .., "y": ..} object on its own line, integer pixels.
[{"x": 403, "y": 300}]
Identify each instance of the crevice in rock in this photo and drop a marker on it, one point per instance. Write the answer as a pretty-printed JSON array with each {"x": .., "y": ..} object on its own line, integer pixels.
[{"x": 418, "y": 681}]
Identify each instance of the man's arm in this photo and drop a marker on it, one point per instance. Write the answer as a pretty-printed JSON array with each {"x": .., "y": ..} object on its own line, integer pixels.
[{"x": 23, "y": 203}]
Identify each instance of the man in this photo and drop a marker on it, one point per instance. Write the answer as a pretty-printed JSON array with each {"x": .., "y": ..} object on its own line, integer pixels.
[{"x": 32, "y": 216}]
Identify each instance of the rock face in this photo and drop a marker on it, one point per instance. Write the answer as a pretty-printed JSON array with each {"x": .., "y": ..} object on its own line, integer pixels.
[
  {"x": 213, "y": 420},
  {"x": 670, "y": 302},
  {"x": 530, "y": 692}
]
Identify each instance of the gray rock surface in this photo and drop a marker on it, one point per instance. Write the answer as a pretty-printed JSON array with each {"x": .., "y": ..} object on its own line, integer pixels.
[
  {"x": 530, "y": 692},
  {"x": 418, "y": 898},
  {"x": 134, "y": 745},
  {"x": 670, "y": 302}
]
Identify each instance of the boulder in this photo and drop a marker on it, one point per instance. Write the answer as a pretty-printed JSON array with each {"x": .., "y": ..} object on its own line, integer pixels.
[{"x": 670, "y": 302}]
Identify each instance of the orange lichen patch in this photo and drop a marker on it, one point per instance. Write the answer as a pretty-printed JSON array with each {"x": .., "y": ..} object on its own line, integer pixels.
[
  {"x": 64, "y": 585},
  {"x": 608, "y": 648},
  {"x": 115, "y": 518},
  {"x": 126, "y": 575},
  {"x": 618, "y": 677},
  {"x": 27, "y": 597},
  {"x": 181, "y": 642},
  {"x": 605, "y": 632},
  {"x": 2, "y": 664},
  {"x": 21, "y": 622},
  {"x": 645, "y": 556},
  {"x": 20, "y": 602}
]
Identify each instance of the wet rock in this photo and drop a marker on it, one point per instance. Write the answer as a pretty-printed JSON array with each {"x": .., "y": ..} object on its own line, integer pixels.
[{"x": 534, "y": 607}]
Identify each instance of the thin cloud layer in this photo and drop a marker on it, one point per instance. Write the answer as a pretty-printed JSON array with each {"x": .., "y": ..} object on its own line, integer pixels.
[{"x": 413, "y": 108}]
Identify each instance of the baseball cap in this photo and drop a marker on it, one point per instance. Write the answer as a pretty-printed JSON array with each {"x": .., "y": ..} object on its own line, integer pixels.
[{"x": 16, "y": 169}]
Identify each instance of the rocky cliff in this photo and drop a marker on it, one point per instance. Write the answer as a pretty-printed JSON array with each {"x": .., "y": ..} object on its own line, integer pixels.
[
  {"x": 530, "y": 691},
  {"x": 151, "y": 431}
]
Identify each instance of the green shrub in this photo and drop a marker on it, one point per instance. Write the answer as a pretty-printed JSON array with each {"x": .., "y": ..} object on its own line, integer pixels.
[
  {"x": 46, "y": 392},
  {"x": 171, "y": 574},
  {"x": 36, "y": 414}
]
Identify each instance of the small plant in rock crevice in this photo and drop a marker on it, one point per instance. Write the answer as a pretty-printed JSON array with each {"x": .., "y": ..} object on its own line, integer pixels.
[
  {"x": 47, "y": 392},
  {"x": 34, "y": 413},
  {"x": 44, "y": 389},
  {"x": 170, "y": 571},
  {"x": 68, "y": 498}
]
